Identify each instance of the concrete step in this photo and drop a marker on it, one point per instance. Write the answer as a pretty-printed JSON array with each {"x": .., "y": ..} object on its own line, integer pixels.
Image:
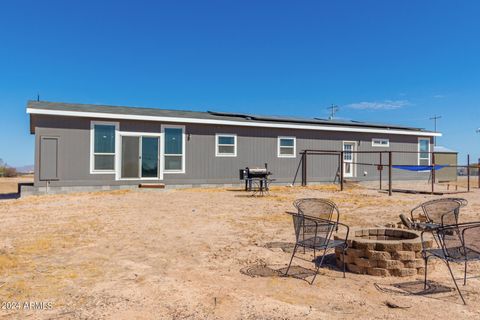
[{"x": 152, "y": 185}]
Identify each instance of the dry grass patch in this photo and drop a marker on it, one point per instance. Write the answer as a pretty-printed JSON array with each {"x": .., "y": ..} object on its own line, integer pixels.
[
  {"x": 276, "y": 217},
  {"x": 206, "y": 190},
  {"x": 7, "y": 262},
  {"x": 38, "y": 267}
]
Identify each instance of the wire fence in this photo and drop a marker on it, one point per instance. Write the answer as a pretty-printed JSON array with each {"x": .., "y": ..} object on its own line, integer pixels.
[{"x": 385, "y": 165}]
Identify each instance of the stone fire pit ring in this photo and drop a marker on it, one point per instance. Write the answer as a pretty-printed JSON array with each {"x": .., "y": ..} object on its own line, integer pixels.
[{"x": 383, "y": 252}]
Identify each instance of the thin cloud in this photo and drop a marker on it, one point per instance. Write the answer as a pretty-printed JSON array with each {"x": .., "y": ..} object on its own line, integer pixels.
[
  {"x": 379, "y": 105},
  {"x": 439, "y": 96}
]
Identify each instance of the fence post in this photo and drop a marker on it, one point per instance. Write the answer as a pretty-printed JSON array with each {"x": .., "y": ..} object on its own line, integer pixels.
[
  {"x": 468, "y": 172},
  {"x": 381, "y": 167},
  {"x": 478, "y": 172},
  {"x": 433, "y": 173},
  {"x": 341, "y": 170},
  {"x": 389, "y": 173},
  {"x": 303, "y": 168}
]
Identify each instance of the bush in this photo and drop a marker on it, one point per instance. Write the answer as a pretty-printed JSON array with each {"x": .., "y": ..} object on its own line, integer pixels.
[{"x": 9, "y": 172}]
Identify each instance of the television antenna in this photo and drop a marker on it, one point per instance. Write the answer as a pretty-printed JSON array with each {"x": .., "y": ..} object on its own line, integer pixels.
[
  {"x": 333, "y": 109},
  {"x": 435, "y": 118}
]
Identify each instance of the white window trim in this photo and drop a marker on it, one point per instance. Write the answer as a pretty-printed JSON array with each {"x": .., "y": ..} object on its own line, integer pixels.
[
  {"x": 105, "y": 115},
  {"x": 184, "y": 142},
  {"x": 429, "y": 150},
  {"x": 294, "y": 147},
  {"x": 118, "y": 163},
  {"x": 375, "y": 143},
  {"x": 92, "y": 147},
  {"x": 230, "y": 135}
]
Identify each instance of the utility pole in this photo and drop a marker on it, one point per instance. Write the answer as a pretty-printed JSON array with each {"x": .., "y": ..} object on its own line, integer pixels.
[
  {"x": 333, "y": 109},
  {"x": 435, "y": 118}
]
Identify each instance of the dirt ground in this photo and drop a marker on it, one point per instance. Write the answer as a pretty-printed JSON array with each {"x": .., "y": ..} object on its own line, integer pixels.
[
  {"x": 10, "y": 185},
  {"x": 190, "y": 254}
]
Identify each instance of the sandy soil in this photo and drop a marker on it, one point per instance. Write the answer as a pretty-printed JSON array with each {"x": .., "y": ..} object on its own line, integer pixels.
[
  {"x": 183, "y": 254},
  {"x": 10, "y": 185}
]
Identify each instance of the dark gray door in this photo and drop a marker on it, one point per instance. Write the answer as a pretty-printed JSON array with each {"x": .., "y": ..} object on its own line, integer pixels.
[{"x": 48, "y": 158}]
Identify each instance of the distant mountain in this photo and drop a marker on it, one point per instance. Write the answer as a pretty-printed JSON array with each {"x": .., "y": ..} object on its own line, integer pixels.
[{"x": 25, "y": 169}]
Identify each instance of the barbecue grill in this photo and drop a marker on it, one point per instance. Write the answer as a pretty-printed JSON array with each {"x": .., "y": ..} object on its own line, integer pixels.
[{"x": 259, "y": 175}]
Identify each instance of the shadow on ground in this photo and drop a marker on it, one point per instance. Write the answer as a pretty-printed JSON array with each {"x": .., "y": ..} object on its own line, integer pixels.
[
  {"x": 8, "y": 196},
  {"x": 414, "y": 288},
  {"x": 297, "y": 272},
  {"x": 256, "y": 271}
]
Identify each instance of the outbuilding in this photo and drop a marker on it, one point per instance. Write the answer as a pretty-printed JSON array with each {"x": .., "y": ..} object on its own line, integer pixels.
[{"x": 445, "y": 156}]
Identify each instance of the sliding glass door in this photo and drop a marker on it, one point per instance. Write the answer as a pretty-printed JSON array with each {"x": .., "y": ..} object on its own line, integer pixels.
[
  {"x": 139, "y": 157},
  {"x": 130, "y": 156}
]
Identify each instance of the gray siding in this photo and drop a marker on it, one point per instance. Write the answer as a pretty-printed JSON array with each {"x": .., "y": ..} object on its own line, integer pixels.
[{"x": 255, "y": 146}]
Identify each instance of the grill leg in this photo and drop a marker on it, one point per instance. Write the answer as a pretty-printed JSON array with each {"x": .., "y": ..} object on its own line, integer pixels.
[
  {"x": 465, "y": 274},
  {"x": 455, "y": 281},
  {"x": 343, "y": 262}
]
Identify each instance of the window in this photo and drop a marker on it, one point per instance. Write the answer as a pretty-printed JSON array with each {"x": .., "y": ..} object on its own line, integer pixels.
[
  {"x": 226, "y": 145},
  {"x": 286, "y": 147},
  {"x": 174, "y": 149},
  {"x": 102, "y": 144},
  {"x": 380, "y": 142},
  {"x": 424, "y": 152}
]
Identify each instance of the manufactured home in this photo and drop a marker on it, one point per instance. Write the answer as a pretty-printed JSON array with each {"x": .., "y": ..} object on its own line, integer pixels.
[{"x": 98, "y": 146}]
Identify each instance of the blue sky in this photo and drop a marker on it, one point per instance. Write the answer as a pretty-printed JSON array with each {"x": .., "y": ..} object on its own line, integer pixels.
[{"x": 400, "y": 62}]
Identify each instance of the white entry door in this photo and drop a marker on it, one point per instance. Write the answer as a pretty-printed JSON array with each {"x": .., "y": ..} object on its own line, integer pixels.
[{"x": 349, "y": 167}]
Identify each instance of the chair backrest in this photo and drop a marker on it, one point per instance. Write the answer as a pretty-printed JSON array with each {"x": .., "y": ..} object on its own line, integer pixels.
[
  {"x": 463, "y": 202},
  {"x": 312, "y": 231},
  {"x": 442, "y": 211},
  {"x": 460, "y": 241},
  {"x": 317, "y": 207}
]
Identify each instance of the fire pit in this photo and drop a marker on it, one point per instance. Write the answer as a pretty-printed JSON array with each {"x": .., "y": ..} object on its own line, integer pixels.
[{"x": 384, "y": 252}]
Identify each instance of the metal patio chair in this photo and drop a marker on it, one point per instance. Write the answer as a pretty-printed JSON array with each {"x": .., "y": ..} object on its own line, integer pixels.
[
  {"x": 458, "y": 243},
  {"x": 317, "y": 234},
  {"x": 317, "y": 207},
  {"x": 437, "y": 213}
]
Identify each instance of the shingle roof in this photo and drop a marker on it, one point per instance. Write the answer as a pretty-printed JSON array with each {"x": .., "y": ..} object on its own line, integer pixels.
[{"x": 210, "y": 115}]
